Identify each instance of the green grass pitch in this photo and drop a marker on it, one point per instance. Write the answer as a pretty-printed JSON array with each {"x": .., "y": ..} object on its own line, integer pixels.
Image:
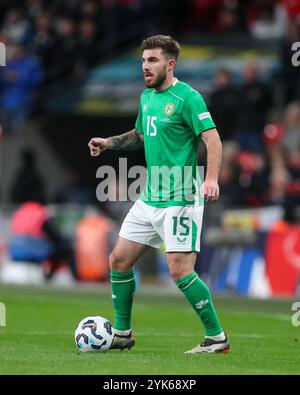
[{"x": 39, "y": 335}]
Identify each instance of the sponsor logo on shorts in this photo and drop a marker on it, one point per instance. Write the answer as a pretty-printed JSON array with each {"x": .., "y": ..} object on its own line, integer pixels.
[{"x": 181, "y": 239}]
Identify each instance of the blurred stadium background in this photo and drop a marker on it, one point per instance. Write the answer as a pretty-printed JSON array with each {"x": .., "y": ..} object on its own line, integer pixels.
[{"x": 73, "y": 72}]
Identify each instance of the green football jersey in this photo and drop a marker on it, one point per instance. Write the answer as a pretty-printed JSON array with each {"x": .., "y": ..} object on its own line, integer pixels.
[{"x": 171, "y": 122}]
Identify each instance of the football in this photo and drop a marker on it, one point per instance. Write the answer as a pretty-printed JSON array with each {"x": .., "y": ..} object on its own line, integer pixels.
[{"x": 94, "y": 333}]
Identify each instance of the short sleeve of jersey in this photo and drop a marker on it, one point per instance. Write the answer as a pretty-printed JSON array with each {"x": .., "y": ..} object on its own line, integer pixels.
[
  {"x": 139, "y": 120},
  {"x": 196, "y": 115}
]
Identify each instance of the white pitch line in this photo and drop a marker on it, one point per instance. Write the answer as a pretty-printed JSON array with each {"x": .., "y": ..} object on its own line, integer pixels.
[
  {"x": 281, "y": 317},
  {"x": 161, "y": 334}
]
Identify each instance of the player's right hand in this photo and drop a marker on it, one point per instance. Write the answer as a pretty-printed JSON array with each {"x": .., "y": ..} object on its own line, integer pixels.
[{"x": 97, "y": 145}]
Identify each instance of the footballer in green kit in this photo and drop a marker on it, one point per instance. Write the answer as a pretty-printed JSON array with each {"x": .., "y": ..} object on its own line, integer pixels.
[{"x": 172, "y": 118}]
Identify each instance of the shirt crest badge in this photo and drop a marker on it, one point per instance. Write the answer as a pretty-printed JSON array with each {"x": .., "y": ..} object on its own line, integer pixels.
[{"x": 169, "y": 109}]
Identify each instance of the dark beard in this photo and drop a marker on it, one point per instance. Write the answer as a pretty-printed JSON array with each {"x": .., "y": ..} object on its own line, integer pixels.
[{"x": 156, "y": 83}]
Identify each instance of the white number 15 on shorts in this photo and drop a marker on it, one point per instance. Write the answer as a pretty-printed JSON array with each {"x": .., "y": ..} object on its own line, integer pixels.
[{"x": 179, "y": 227}]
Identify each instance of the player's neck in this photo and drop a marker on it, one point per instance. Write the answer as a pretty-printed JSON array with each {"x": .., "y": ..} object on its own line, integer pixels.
[{"x": 167, "y": 83}]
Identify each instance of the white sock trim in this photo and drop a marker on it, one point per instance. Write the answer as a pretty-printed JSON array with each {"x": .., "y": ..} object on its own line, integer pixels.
[
  {"x": 190, "y": 283},
  {"x": 122, "y": 281},
  {"x": 122, "y": 333},
  {"x": 221, "y": 336}
]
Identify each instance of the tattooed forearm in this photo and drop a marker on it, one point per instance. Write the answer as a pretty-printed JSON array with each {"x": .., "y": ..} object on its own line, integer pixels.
[{"x": 127, "y": 141}]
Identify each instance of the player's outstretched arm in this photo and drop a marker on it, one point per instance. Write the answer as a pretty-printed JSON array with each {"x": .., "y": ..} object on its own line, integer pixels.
[
  {"x": 128, "y": 141},
  {"x": 131, "y": 140},
  {"x": 210, "y": 187}
]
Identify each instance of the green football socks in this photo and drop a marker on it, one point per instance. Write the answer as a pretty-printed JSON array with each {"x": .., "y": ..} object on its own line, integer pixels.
[
  {"x": 198, "y": 294},
  {"x": 123, "y": 288}
]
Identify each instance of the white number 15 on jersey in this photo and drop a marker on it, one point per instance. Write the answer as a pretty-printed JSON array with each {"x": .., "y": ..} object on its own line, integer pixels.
[{"x": 151, "y": 128}]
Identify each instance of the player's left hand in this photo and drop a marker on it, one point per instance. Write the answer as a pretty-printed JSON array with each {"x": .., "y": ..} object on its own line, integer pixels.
[{"x": 209, "y": 190}]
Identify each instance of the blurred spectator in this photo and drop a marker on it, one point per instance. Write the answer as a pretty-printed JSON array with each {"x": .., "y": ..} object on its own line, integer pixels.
[
  {"x": 291, "y": 138},
  {"x": 230, "y": 189},
  {"x": 292, "y": 8},
  {"x": 18, "y": 82},
  {"x": 92, "y": 246},
  {"x": 28, "y": 183},
  {"x": 123, "y": 21},
  {"x": 34, "y": 8},
  {"x": 44, "y": 42},
  {"x": 253, "y": 178},
  {"x": 223, "y": 102},
  {"x": 230, "y": 21},
  {"x": 175, "y": 22},
  {"x": 291, "y": 152},
  {"x": 283, "y": 146},
  {"x": 86, "y": 45},
  {"x": 74, "y": 189},
  {"x": 90, "y": 9},
  {"x": 204, "y": 14},
  {"x": 279, "y": 180},
  {"x": 66, "y": 30},
  {"x": 251, "y": 110},
  {"x": 290, "y": 73},
  {"x": 66, "y": 47},
  {"x": 35, "y": 238},
  {"x": 131, "y": 18},
  {"x": 16, "y": 27},
  {"x": 270, "y": 23},
  {"x": 291, "y": 204},
  {"x": 272, "y": 137}
]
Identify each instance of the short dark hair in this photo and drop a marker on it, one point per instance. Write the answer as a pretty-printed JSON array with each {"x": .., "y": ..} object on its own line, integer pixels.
[{"x": 168, "y": 45}]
